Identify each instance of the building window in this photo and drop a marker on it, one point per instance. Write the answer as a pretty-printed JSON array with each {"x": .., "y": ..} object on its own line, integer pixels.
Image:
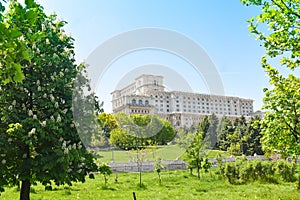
[
  {"x": 133, "y": 102},
  {"x": 146, "y": 103},
  {"x": 154, "y": 82},
  {"x": 140, "y": 102}
]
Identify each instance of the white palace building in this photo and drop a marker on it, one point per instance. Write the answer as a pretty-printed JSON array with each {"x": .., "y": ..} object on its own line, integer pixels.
[{"x": 148, "y": 96}]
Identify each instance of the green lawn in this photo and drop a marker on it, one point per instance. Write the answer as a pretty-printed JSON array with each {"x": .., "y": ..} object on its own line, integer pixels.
[
  {"x": 175, "y": 185},
  {"x": 170, "y": 152}
]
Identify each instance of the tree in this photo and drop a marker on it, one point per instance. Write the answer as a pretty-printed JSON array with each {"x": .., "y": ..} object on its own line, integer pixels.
[
  {"x": 225, "y": 128},
  {"x": 184, "y": 138},
  {"x": 38, "y": 137},
  {"x": 158, "y": 167},
  {"x": 254, "y": 136},
  {"x": 122, "y": 138},
  {"x": 212, "y": 130},
  {"x": 197, "y": 152},
  {"x": 204, "y": 125},
  {"x": 105, "y": 170},
  {"x": 13, "y": 48},
  {"x": 238, "y": 138},
  {"x": 281, "y": 125},
  {"x": 166, "y": 134},
  {"x": 107, "y": 123},
  {"x": 143, "y": 129}
]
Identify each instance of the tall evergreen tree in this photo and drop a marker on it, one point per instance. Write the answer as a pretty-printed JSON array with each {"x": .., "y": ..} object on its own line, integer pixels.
[
  {"x": 225, "y": 127},
  {"x": 254, "y": 136}
]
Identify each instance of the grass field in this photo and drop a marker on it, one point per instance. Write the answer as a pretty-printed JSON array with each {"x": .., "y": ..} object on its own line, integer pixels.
[
  {"x": 175, "y": 185},
  {"x": 170, "y": 152}
]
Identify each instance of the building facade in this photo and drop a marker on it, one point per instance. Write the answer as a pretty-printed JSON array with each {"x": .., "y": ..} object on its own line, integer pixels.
[{"x": 147, "y": 95}]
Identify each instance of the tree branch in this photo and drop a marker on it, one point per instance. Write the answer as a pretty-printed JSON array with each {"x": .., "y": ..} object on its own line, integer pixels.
[
  {"x": 286, "y": 8},
  {"x": 294, "y": 131}
]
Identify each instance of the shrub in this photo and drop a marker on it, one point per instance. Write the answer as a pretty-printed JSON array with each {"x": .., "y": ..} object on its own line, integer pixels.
[
  {"x": 245, "y": 171},
  {"x": 297, "y": 183},
  {"x": 231, "y": 173},
  {"x": 285, "y": 170}
]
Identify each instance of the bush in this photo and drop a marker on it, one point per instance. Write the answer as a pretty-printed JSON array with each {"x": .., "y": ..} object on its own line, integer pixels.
[
  {"x": 231, "y": 173},
  {"x": 285, "y": 170},
  {"x": 246, "y": 171},
  {"x": 297, "y": 183}
]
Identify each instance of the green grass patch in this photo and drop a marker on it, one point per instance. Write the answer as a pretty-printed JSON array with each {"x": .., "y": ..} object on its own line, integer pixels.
[
  {"x": 168, "y": 152},
  {"x": 175, "y": 185}
]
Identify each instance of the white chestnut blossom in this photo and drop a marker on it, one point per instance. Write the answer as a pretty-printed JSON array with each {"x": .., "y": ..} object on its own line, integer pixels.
[
  {"x": 52, "y": 98},
  {"x": 32, "y": 132},
  {"x": 9, "y": 140},
  {"x": 38, "y": 82},
  {"x": 14, "y": 102},
  {"x": 3, "y": 162},
  {"x": 56, "y": 105},
  {"x": 47, "y": 41},
  {"x": 30, "y": 113},
  {"x": 39, "y": 88},
  {"x": 66, "y": 151},
  {"x": 10, "y": 107},
  {"x": 52, "y": 118},
  {"x": 58, "y": 119},
  {"x": 34, "y": 117},
  {"x": 43, "y": 27},
  {"x": 64, "y": 144},
  {"x": 21, "y": 38},
  {"x": 45, "y": 95},
  {"x": 44, "y": 123}
]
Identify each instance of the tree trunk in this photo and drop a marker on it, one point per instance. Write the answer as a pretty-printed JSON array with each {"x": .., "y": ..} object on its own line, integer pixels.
[
  {"x": 25, "y": 190},
  {"x": 198, "y": 171}
]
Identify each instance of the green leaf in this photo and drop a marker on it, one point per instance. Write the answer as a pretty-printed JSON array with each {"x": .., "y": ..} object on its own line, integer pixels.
[{"x": 19, "y": 76}]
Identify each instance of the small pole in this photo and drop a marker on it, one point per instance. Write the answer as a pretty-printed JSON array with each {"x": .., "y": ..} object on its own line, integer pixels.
[{"x": 134, "y": 197}]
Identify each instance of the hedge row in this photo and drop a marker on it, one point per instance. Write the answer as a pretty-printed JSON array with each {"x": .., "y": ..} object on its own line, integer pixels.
[{"x": 243, "y": 171}]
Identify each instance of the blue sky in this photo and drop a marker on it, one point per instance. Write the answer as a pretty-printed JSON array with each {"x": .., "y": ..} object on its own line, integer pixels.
[{"x": 219, "y": 27}]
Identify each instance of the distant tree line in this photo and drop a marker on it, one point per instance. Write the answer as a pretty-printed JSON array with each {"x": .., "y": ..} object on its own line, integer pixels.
[
  {"x": 133, "y": 131},
  {"x": 236, "y": 136}
]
